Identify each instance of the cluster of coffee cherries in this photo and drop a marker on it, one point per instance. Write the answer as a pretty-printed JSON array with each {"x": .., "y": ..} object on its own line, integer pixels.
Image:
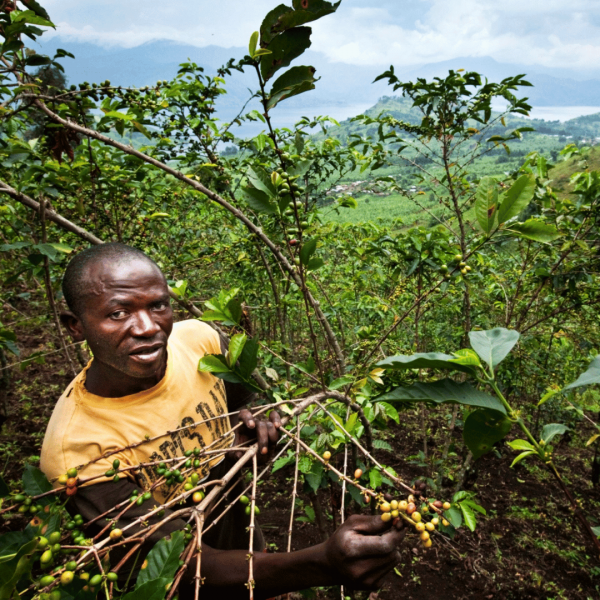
[{"x": 419, "y": 517}]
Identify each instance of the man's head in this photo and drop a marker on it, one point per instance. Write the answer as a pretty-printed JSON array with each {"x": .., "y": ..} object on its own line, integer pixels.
[{"x": 119, "y": 302}]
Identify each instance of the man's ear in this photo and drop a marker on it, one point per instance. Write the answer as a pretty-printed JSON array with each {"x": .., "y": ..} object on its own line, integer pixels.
[{"x": 72, "y": 323}]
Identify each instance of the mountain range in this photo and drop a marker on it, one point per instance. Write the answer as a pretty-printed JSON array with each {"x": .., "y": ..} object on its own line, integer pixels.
[{"x": 341, "y": 85}]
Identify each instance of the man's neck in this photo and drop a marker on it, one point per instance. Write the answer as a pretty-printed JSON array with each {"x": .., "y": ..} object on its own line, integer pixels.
[{"x": 106, "y": 382}]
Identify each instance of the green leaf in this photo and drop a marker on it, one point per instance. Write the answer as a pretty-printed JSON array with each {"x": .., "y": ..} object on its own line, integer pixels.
[
  {"x": 468, "y": 515},
  {"x": 248, "y": 358},
  {"x": 163, "y": 559},
  {"x": 213, "y": 363},
  {"x": 282, "y": 462},
  {"x": 252, "y": 44},
  {"x": 351, "y": 423},
  {"x": 259, "y": 179},
  {"x": 521, "y": 456},
  {"x": 62, "y": 248},
  {"x": 154, "y": 589},
  {"x": 341, "y": 382},
  {"x": 483, "y": 428},
  {"x": 474, "y": 506},
  {"x": 493, "y": 345},
  {"x": 141, "y": 129},
  {"x": 552, "y": 430},
  {"x": 591, "y": 376},
  {"x": 300, "y": 168},
  {"x": 536, "y": 230},
  {"x": 29, "y": 16},
  {"x": 516, "y": 198},
  {"x": 12, "y": 570},
  {"x": 426, "y": 360},
  {"x": 441, "y": 392},
  {"x": 236, "y": 345},
  {"x": 375, "y": 479},
  {"x": 35, "y": 482},
  {"x": 315, "y": 263},
  {"x": 313, "y": 480},
  {"x": 293, "y": 82},
  {"x": 381, "y": 445},
  {"x": 486, "y": 203},
  {"x": 466, "y": 356},
  {"x": 454, "y": 515},
  {"x": 521, "y": 445},
  {"x": 308, "y": 249},
  {"x": 261, "y": 52},
  {"x": 283, "y": 17},
  {"x": 285, "y": 48},
  {"x": 390, "y": 411}
]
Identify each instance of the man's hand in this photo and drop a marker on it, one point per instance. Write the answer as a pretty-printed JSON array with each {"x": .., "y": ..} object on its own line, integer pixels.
[
  {"x": 363, "y": 550},
  {"x": 266, "y": 433}
]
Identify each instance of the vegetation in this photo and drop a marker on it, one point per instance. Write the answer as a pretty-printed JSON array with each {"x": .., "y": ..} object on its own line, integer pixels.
[{"x": 467, "y": 332}]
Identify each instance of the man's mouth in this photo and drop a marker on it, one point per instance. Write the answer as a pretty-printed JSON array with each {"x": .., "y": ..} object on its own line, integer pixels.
[{"x": 147, "y": 353}]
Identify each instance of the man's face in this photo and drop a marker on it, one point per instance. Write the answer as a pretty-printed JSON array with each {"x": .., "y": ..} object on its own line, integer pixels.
[{"x": 127, "y": 319}]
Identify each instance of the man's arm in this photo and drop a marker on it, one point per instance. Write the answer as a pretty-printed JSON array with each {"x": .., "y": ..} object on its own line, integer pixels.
[{"x": 359, "y": 554}]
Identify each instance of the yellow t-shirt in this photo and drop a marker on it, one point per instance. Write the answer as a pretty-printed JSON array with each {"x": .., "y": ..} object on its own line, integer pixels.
[{"x": 85, "y": 427}]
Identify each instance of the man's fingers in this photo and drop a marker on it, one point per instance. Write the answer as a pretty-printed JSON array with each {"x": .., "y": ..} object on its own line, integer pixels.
[
  {"x": 273, "y": 433},
  {"x": 367, "y": 524},
  {"x": 247, "y": 418},
  {"x": 262, "y": 436},
  {"x": 275, "y": 419}
]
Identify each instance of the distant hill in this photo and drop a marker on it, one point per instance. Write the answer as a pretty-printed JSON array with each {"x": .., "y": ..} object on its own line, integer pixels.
[{"x": 340, "y": 84}]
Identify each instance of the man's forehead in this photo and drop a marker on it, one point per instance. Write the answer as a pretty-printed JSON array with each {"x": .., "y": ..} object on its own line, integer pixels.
[{"x": 111, "y": 277}]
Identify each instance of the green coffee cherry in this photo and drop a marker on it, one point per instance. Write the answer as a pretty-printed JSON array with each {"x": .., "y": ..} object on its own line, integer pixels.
[
  {"x": 54, "y": 537},
  {"x": 96, "y": 580}
]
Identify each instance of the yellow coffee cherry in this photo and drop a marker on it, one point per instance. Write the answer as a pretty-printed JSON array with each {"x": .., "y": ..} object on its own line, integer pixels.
[
  {"x": 420, "y": 527},
  {"x": 394, "y": 514},
  {"x": 394, "y": 504},
  {"x": 385, "y": 507},
  {"x": 446, "y": 505},
  {"x": 435, "y": 521},
  {"x": 411, "y": 498},
  {"x": 427, "y": 544},
  {"x": 445, "y": 523},
  {"x": 386, "y": 516},
  {"x": 402, "y": 505},
  {"x": 425, "y": 536},
  {"x": 429, "y": 526},
  {"x": 416, "y": 517},
  {"x": 327, "y": 455}
]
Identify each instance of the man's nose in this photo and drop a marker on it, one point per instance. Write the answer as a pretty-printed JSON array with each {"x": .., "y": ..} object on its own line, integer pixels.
[{"x": 144, "y": 325}]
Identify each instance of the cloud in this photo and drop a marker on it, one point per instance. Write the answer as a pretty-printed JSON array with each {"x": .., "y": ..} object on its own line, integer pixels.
[{"x": 551, "y": 33}]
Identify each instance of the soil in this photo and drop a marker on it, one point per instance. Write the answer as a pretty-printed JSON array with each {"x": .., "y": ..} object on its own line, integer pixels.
[{"x": 528, "y": 547}]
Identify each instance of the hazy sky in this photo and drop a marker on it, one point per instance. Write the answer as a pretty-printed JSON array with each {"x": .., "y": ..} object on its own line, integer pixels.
[{"x": 552, "y": 33}]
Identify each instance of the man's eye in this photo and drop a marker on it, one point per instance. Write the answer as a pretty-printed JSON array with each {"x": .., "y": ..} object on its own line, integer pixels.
[
  {"x": 118, "y": 314},
  {"x": 161, "y": 305}
]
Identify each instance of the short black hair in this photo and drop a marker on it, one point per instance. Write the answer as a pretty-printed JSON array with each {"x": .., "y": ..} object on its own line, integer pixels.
[{"x": 74, "y": 284}]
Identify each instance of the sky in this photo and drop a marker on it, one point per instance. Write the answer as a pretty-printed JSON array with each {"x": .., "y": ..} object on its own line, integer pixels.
[{"x": 550, "y": 33}]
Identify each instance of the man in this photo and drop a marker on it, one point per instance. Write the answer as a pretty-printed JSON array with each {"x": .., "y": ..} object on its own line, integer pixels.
[{"x": 142, "y": 382}]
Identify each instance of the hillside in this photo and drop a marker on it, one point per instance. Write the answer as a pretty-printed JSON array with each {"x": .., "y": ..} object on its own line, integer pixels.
[{"x": 548, "y": 139}]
